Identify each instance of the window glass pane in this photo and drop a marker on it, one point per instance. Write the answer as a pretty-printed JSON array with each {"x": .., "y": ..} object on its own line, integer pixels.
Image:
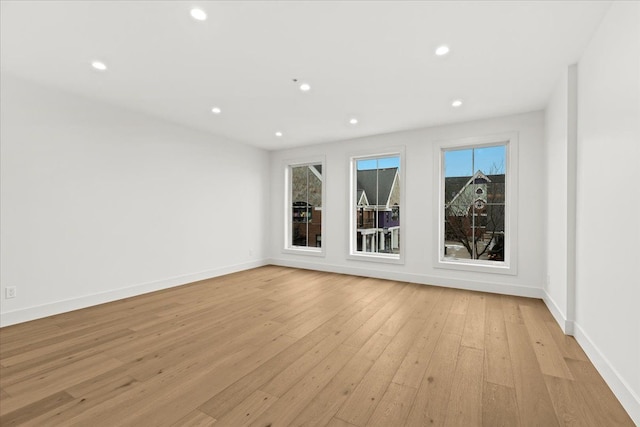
[
  {"x": 315, "y": 206},
  {"x": 377, "y": 210},
  {"x": 474, "y": 209},
  {"x": 458, "y": 163},
  {"x": 306, "y": 206}
]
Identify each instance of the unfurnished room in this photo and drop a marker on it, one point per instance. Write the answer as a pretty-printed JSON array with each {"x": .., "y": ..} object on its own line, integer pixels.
[{"x": 319, "y": 213}]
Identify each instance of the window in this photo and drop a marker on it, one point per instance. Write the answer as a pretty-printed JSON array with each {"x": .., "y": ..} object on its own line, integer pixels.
[
  {"x": 376, "y": 207},
  {"x": 304, "y": 201},
  {"x": 476, "y": 207}
]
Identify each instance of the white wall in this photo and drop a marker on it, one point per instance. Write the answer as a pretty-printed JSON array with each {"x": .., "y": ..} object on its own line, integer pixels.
[
  {"x": 556, "y": 121},
  {"x": 560, "y": 188},
  {"x": 100, "y": 203},
  {"x": 608, "y": 202},
  {"x": 419, "y": 210}
]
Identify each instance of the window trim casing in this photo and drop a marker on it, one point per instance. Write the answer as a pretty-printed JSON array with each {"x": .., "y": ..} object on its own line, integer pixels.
[
  {"x": 509, "y": 265},
  {"x": 352, "y": 253},
  {"x": 287, "y": 164}
]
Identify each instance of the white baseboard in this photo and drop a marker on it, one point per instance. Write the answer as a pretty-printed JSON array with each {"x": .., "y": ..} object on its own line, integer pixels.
[
  {"x": 38, "y": 312},
  {"x": 629, "y": 400},
  {"x": 472, "y": 285},
  {"x": 565, "y": 325}
]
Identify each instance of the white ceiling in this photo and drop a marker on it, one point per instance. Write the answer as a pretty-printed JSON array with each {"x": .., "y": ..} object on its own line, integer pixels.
[{"x": 370, "y": 59}]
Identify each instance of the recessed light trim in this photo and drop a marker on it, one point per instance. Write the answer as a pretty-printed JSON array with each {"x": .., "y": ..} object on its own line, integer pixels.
[
  {"x": 198, "y": 14},
  {"x": 278, "y": 134},
  {"x": 99, "y": 65},
  {"x": 456, "y": 103},
  {"x": 353, "y": 121},
  {"x": 216, "y": 110},
  {"x": 442, "y": 50},
  {"x": 305, "y": 87}
]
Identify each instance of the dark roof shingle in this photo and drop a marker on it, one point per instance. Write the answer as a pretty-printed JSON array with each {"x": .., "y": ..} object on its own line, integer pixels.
[{"x": 369, "y": 181}]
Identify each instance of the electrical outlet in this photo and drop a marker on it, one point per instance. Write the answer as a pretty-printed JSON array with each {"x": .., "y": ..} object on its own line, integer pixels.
[{"x": 10, "y": 292}]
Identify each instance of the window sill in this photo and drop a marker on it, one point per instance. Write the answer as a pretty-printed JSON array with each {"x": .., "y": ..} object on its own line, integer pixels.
[
  {"x": 478, "y": 266},
  {"x": 376, "y": 257},
  {"x": 304, "y": 251}
]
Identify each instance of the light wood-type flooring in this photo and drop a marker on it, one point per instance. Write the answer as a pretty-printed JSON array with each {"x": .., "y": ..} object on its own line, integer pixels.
[{"x": 275, "y": 346}]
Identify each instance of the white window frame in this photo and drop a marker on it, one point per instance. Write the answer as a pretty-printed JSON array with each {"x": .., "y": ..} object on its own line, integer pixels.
[
  {"x": 509, "y": 265},
  {"x": 353, "y": 254},
  {"x": 288, "y": 220}
]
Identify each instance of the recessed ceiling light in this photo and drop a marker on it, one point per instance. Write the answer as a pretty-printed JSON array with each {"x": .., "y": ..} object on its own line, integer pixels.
[
  {"x": 100, "y": 66},
  {"x": 278, "y": 134},
  {"x": 198, "y": 14},
  {"x": 456, "y": 103},
  {"x": 353, "y": 121},
  {"x": 442, "y": 50},
  {"x": 305, "y": 87},
  {"x": 216, "y": 110}
]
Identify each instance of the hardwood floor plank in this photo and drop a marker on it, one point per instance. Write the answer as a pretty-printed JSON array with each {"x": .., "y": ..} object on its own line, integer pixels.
[
  {"x": 358, "y": 310},
  {"x": 375, "y": 289},
  {"x": 316, "y": 321},
  {"x": 499, "y": 408},
  {"x": 195, "y": 388},
  {"x": 39, "y": 387},
  {"x": 3, "y": 394},
  {"x": 493, "y": 302},
  {"x": 65, "y": 345},
  {"x": 322, "y": 348},
  {"x": 394, "y": 407},
  {"x": 102, "y": 392},
  {"x": 363, "y": 401},
  {"x": 337, "y": 422},
  {"x": 414, "y": 365},
  {"x": 17, "y": 336},
  {"x": 373, "y": 348},
  {"x": 432, "y": 399},
  {"x": 115, "y": 378},
  {"x": 568, "y": 346},
  {"x": 461, "y": 302},
  {"x": 392, "y": 325},
  {"x": 289, "y": 376},
  {"x": 473, "y": 332},
  {"x": 282, "y": 382},
  {"x": 547, "y": 352},
  {"x": 429, "y": 299},
  {"x": 362, "y": 334},
  {"x": 327, "y": 403},
  {"x": 511, "y": 309},
  {"x": 27, "y": 412},
  {"x": 23, "y": 371},
  {"x": 248, "y": 410},
  {"x": 196, "y": 419},
  {"x": 465, "y": 400},
  {"x": 167, "y": 397},
  {"x": 570, "y": 407},
  {"x": 290, "y": 404},
  {"x": 497, "y": 360},
  {"x": 224, "y": 401},
  {"x": 148, "y": 365},
  {"x": 606, "y": 410},
  {"x": 532, "y": 397},
  {"x": 454, "y": 324}
]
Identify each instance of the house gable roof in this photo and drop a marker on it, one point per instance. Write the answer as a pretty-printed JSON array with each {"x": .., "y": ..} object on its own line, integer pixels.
[
  {"x": 377, "y": 184},
  {"x": 454, "y": 186},
  {"x": 362, "y": 198}
]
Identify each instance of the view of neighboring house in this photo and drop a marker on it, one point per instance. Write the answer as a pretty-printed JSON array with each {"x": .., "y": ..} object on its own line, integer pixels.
[
  {"x": 474, "y": 215},
  {"x": 306, "y": 196},
  {"x": 378, "y": 210}
]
